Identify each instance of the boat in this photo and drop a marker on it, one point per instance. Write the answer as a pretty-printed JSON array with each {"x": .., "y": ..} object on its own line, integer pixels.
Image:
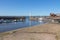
[{"x": 40, "y": 19}]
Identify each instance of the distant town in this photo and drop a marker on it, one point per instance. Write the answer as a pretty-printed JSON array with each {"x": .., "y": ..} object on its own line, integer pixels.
[{"x": 55, "y": 18}]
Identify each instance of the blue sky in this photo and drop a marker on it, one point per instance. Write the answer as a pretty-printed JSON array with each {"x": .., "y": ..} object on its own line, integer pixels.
[{"x": 25, "y": 7}]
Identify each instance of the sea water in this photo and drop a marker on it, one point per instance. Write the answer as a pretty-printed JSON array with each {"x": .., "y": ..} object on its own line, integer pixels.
[{"x": 17, "y": 25}]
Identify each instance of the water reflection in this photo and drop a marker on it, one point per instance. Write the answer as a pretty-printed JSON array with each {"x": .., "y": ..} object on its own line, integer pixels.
[{"x": 16, "y": 25}]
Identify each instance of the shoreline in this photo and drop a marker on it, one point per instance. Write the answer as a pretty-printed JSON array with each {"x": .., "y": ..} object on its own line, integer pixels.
[
  {"x": 50, "y": 30},
  {"x": 13, "y": 31}
]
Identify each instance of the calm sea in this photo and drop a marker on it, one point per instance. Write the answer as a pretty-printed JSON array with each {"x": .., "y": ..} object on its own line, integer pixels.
[{"x": 17, "y": 25}]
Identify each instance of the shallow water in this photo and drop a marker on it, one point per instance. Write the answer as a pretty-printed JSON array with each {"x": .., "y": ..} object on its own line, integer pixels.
[{"x": 16, "y": 25}]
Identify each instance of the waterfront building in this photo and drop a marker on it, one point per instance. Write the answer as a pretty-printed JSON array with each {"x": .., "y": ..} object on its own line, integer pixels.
[{"x": 54, "y": 18}]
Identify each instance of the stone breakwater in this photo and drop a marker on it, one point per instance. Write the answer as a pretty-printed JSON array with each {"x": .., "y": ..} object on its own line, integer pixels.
[{"x": 39, "y": 32}]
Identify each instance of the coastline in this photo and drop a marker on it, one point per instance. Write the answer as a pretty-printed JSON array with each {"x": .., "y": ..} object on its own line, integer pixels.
[
  {"x": 12, "y": 31},
  {"x": 44, "y": 29}
]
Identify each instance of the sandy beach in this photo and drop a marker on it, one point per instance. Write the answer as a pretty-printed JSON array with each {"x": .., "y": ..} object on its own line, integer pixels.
[{"x": 38, "y": 32}]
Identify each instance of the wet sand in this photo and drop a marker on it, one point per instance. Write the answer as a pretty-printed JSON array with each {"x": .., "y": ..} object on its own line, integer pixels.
[{"x": 39, "y": 32}]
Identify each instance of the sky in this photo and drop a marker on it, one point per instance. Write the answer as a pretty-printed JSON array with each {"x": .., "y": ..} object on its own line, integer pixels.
[{"x": 29, "y": 7}]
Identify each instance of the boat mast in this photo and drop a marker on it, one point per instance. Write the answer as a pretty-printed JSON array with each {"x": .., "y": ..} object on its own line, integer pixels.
[{"x": 30, "y": 14}]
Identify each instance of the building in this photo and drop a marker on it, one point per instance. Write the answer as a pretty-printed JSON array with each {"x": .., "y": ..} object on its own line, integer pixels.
[{"x": 54, "y": 18}]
